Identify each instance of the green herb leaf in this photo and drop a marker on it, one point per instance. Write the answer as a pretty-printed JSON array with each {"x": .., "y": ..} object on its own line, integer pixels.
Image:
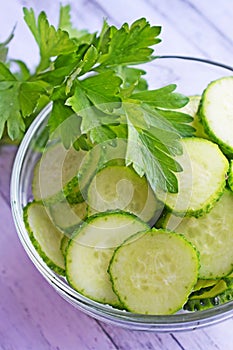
[
  {"x": 129, "y": 45},
  {"x": 92, "y": 115},
  {"x": 97, "y": 96},
  {"x": 51, "y": 42},
  {"x": 168, "y": 120},
  {"x": 17, "y": 101},
  {"x": 64, "y": 124},
  {"x": 102, "y": 90},
  {"x": 163, "y": 97},
  {"x": 82, "y": 106},
  {"x": 65, "y": 24},
  {"x": 58, "y": 115},
  {"x": 24, "y": 72},
  {"x": 150, "y": 161},
  {"x": 132, "y": 80},
  {"x": 152, "y": 144},
  {"x": 29, "y": 94},
  {"x": 10, "y": 110},
  {"x": 179, "y": 121},
  {"x": 4, "y": 48},
  {"x": 101, "y": 133},
  {"x": 5, "y": 73}
]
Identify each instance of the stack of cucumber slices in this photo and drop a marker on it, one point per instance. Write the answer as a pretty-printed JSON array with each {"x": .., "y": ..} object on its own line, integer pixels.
[{"x": 119, "y": 243}]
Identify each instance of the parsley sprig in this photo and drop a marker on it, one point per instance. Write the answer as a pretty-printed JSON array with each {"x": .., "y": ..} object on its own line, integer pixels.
[{"x": 96, "y": 77}]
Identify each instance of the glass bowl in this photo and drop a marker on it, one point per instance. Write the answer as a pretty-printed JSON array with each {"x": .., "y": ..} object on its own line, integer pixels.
[{"x": 191, "y": 75}]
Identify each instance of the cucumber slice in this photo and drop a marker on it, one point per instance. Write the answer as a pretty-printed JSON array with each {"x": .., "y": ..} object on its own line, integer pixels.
[
  {"x": 95, "y": 159},
  {"x": 212, "y": 236},
  {"x": 201, "y": 284},
  {"x": 88, "y": 169},
  {"x": 44, "y": 236},
  {"x": 56, "y": 168},
  {"x": 90, "y": 251},
  {"x": 219, "y": 287},
  {"x": 67, "y": 217},
  {"x": 64, "y": 244},
  {"x": 202, "y": 180},
  {"x": 230, "y": 176},
  {"x": 120, "y": 187},
  {"x": 191, "y": 107},
  {"x": 225, "y": 295},
  {"x": 153, "y": 272},
  {"x": 216, "y": 113}
]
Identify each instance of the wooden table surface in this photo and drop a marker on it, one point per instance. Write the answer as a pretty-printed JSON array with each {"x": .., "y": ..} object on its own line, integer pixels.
[{"x": 32, "y": 315}]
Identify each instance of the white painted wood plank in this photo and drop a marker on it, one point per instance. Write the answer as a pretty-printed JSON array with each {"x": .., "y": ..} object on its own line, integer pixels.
[
  {"x": 191, "y": 28},
  {"x": 216, "y": 337},
  {"x": 128, "y": 340},
  {"x": 90, "y": 15},
  {"x": 197, "y": 30},
  {"x": 173, "y": 41},
  {"x": 213, "y": 337},
  {"x": 7, "y": 155},
  {"x": 185, "y": 30},
  {"x": 219, "y": 17}
]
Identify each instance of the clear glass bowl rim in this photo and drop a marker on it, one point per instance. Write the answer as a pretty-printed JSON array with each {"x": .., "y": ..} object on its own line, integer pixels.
[{"x": 167, "y": 323}]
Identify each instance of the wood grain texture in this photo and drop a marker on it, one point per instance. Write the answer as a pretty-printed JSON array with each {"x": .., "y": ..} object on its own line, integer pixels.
[
  {"x": 7, "y": 155},
  {"x": 32, "y": 315}
]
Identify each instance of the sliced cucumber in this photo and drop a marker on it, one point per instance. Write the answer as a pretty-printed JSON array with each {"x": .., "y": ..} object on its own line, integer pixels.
[
  {"x": 221, "y": 294},
  {"x": 230, "y": 177},
  {"x": 114, "y": 153},
  {"x": 219, "y": 287},
  {"x": 64, "y": 244},
  {"x": 95, "y": 159},
  {"x": 153, "y": 272},
  {"x": 67, "y": 217},
  {"x": 90, "y": 251},
  {"x": 202, "y": 284},
  {"x": 56, "y": 168},
  {"x": 202, "y": 180},
  {"x": 88, "y": 169},
  {"x": 191, "y": 107},
  {"x": 44, "y": 236},
  {"x": 212, "y": 236},
  {"x": 216, "y": 113},
  {"x": 120, "y": 187}
]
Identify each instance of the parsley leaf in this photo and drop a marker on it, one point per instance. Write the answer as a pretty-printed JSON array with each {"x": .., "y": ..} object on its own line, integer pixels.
[
  {"x": 157, "y": 132},
  {"x": 151, "y": 150},
  {"x": 5, "y": 73},
  {"x": 80, "y": 104},
  {"x": 163, "y": 97},
  {"x": 130, "y": 45},
  {"x": 64, "y": 123},
  {"x": 97, "y": 95},
  {"x": 102, "y": 90},
  {"x": 92, "y": 115},
  {"x": 10, "y": 115},
  {"x": 132, "y": 80},
  {"x": 51, "y": 42},
  {"x": 102, "y": 133},
  {"x": 24, "y": 72},
  {"x": 166, "y": 119},
  {"x": 4, "y": 48},
  {"x": 29, "y": 94},
  {"x": 65, "y": 24},
  {"x": 17, "y": 100}
]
